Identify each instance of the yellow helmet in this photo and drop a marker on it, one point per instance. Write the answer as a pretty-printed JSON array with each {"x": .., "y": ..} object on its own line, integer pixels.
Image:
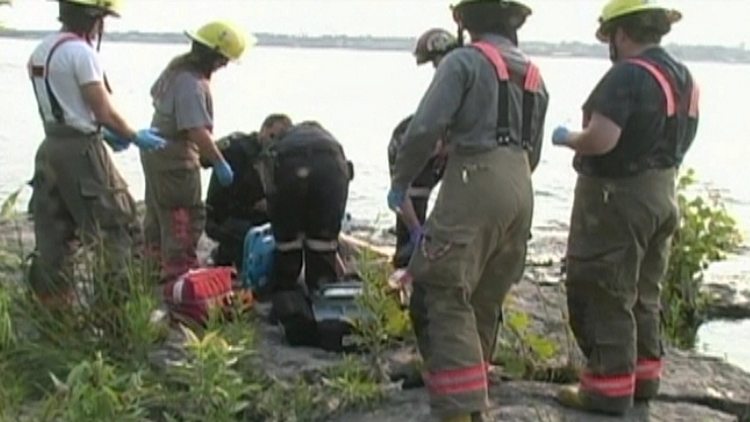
[
  {"x": 618, "y": 8},
  {"x": 223, "y": 37},
  {"x": 110, "y": 7}
]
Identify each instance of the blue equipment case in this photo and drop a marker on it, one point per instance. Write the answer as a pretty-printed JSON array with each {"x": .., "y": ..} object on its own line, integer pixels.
[{"x": 258, "y": 257}]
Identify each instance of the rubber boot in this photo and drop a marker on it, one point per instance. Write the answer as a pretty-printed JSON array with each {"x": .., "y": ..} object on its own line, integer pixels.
[{"x": 569, "y": 396}]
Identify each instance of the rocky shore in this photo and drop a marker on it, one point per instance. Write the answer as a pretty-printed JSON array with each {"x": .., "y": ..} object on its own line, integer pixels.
[{"x": 696, "y": 388}]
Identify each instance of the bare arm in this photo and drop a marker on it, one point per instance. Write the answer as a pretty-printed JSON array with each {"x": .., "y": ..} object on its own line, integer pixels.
[
  {"x": 97, "y": 99},
  {"x": 202, "y": 137}
]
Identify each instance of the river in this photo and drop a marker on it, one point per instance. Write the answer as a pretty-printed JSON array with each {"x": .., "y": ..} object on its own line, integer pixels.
[{"x": 360, "y": 96}]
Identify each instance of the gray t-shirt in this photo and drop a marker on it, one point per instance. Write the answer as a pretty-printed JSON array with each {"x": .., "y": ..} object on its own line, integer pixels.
[{"x": 182, "y": 101}]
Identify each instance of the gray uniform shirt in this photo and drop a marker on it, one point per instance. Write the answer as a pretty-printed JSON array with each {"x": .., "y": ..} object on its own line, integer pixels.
[
  {"x": 462, "y": 102},
  {"x": 182, "y": 101}
]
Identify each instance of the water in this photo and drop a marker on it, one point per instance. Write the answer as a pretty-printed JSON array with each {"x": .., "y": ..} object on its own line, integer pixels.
[{"x": 360, "y": 97}]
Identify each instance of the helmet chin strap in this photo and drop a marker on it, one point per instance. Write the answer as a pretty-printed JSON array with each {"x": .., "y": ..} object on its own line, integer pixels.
[
  {"x": 614, "y": 53},
  {"x": 460, "y": 35},
  {"x": 459, "y": 28}
]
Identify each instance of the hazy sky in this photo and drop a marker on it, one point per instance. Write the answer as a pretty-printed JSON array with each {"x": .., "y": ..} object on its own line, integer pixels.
[{"x": 705, "y": 21}]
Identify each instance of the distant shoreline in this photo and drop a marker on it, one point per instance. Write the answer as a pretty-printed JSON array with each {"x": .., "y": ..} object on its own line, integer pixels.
[{"x": 716, "y": 54}]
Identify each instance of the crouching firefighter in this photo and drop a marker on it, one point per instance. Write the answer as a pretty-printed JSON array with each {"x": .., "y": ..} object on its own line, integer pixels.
[
  {"x": 639, "y": 122},
  {"x": 493, "y": 102},
  {"x": 183, "y": 113},
  {"x": 431, "y": 47},
  {"x": 306, "y": 203},
  {"x": 79, "y": 197}
]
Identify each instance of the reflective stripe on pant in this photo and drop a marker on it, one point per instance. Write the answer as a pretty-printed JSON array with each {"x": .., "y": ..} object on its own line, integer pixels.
[
  {"x": 79, "y": 198},
  {"x": 463, "y": 269},
  {"x": 618, "y": 249},
  {"x": 319, "y": 260},
  {"x": 175, "y": 217},
  {"x": 287, "y": 263}
]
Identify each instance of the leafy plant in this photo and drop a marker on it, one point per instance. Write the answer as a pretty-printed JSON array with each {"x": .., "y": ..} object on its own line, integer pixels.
[
  {"x": 706, "y": 234},
  {"x": 94, "y": 391},
  {"x": 353, "y": 384},
  {"x": 206, "y": 386},
  {"x": 387, "y": 321},
  {"x": 524, "y": 354}
]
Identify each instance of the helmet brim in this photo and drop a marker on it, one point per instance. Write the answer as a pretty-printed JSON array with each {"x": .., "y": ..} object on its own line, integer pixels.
[
  {"x": 250, "y": 42},
  {"x": 602, "y": 35},
  {"x": 103, "y": 11},
  {"x": 525, "y": 10}
]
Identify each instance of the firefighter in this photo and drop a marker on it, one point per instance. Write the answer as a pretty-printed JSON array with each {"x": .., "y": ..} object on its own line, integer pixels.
[
  {"x": 493, "y": 102},
  {"x": 79, "y": 197},
  {"x": 639, "y": 122},
  {"x": 431, "y": 47},
  {"x": 233, "y": 210},
  {"x": 306, "y": 204},
  {"x": 183, "y": 114}
]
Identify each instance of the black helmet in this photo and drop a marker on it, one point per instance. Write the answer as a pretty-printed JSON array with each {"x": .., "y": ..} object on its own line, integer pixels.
[
  {"x": 516, "y": 12},
  {"x": 432, "y": 44}
]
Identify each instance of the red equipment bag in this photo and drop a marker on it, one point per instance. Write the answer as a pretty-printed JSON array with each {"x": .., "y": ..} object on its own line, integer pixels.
[{"x": 198, "y": 291}]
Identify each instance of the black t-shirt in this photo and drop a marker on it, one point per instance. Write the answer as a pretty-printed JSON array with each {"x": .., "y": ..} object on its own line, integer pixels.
[
  {"x": 633, "y": 99},
  {"x": 237, "y": 200}
]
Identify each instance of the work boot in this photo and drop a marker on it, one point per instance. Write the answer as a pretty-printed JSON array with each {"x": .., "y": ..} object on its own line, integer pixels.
[{"x": 570, "y": 396}]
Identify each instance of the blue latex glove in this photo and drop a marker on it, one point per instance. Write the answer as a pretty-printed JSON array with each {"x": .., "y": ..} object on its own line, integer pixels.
[
  {"x": 149, "y": 139},
  {"x": 560, "y": 135},
  {"x": 223, "y": 173},
  {"x": 396, "y": 198},
  {"x": 116, "y": 142}
]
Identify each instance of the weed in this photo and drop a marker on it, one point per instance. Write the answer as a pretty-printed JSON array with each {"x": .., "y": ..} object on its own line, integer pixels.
[
  {"x": 706, "y": 234},
  {"x": 387, "y": 322},
  {"x": 207, "y": 387},
  {"x": 94, "y": 391},
  {"x": 353, "y": 383}
]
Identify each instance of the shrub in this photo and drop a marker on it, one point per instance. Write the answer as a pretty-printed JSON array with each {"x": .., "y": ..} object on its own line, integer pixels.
[{"x": 706, "y": 234}]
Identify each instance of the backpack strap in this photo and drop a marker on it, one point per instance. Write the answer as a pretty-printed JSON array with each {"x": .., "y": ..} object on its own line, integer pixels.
[
  {"x": 663, "y": 82},
  {"x": 532, "y": 85},
  {"x": 43, "y": 73},
  {"x": 679, "y": 109}
]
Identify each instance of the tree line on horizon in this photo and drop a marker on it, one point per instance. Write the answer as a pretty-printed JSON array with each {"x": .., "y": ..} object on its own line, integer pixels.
[{"x": 725, "y": 54}]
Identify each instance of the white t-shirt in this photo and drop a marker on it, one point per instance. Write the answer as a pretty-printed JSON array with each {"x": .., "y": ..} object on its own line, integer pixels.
[{"x": 74, "y": 64}]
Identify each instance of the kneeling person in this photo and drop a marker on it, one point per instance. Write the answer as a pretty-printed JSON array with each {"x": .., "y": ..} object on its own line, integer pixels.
[{"x": 306, "y": 204}]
